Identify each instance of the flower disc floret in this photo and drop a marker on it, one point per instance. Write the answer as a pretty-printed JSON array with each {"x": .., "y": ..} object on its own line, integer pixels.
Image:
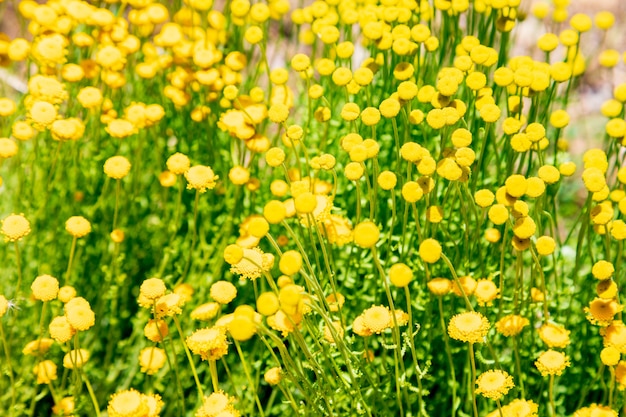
[
  {"x": 78, "y": 226},
  {"x": 223, "y": 292},
  {"x": 117, "y": 167},
  {"x": 471, "y": 327},
  {"x": 430, "y": 250},
  {"x": 494, "y": 384},
  {"x": 201, "y": 178},
  {"x": 45, "y": 288},
  {"x": 15, "y": 227},
  {"x": 209, "y": 343},
  {"x": 552, "y": 362}
]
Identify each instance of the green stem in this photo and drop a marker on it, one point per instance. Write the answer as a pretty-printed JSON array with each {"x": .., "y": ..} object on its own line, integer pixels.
[
  {"x": 246, "y": 371},
  {"x": 18, "y": 261},
  {"x": 69, "y": 264},
  {"x": 473, "y": 378},
  {"x": 190, "y": 358},
  {"x": 5, "y": 347}
]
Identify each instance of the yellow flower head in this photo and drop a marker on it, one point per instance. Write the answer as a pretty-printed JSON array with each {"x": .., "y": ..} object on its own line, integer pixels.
[
  {"x": 552, "y": 362},
  {"x": 45, "y": 371},
  {"x": 223, "y": 292},
  {"x": 116, "y": 167},
  {"x": 377, "y": 318},
  {"x": 78, "y": 226},
  {"x": 201, "y": 178},
  {"x": 15, "y": 227},
  {"x": 75, "y": 358},
  {"x": 151, "y": 359},
  {"x": 217, "y": 404},
  {"x": 209, "y": 343},
  {"x": 128, "y": 403},
  {"x": 511, "y": 325},
  {"x": 471, "y": 327},
  {"x": 45, "y": 288},
  {"x": 494, "y": 384}
]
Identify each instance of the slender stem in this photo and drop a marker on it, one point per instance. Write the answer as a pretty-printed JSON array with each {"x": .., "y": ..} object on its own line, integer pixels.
[
  {"x": 92, "y": 394},
  {"x": 551, "y": 396},
  {"x": 213, "y": 371},
  {"x": 69, "y": 264},
  {"x": 189, "y": 357},
  {"x": 5, "y": 347},
  {"x": 118, "y": 186},
  {"x": 448, "y": 354},
  {"x": 246, "y": 371},
  {"x": 194, "y": 236},
  {"x": 518, "y": 367},
  {"x": 473, "y": 378},
  {"x": 18, "y": 261}
]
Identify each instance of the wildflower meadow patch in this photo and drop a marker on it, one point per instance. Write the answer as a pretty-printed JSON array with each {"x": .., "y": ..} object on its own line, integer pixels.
[{"x": 331, "y": 208}]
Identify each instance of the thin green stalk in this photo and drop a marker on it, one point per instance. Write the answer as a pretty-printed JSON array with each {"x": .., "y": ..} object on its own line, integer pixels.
[
  {"x": 551, "y": 396},
  {"x": 5, "y": 347},
  {"x": 446, "y": 341},
  {"x": 18, "y": 261},
  {"x": 190, "y": 358},
  {"x": 214, "y": 377},
  {"x": 473, "y": 378},
  {"x": 118, "y": 186},
  {"x": 194, "y": 237},
  {"x": 246, "y": 371},
  {"x": 395, "y": 332},
  {"x": 69, "y": 264}
]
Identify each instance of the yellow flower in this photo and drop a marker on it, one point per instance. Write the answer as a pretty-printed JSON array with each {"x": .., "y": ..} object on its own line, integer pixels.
[
  {"x": 120, "y": 128},
  {"x": 78, "y": 226},
  {"x": 603, "y": 270},
  {"x": 60, "y": 329},
  {"x": 552, "y": 362},
  {"x": 38, "y": 347},
  {"x": 209, "y": 343},
  {"x": 45, "y": 288},
  {"x": 430, "y": 250},
  {"x": 511, "y": 325},
  {"x": 366, "y": 234},
  {"x": 400, "y": 274},
  {"x": 554, "y": 336},
  {"x": 178, "y": 163},
  {"x": 80, "y": 317},
  {"x": 152, "y": 289},
  {"x": 602, "y": 311},
  {"x": 252, "y": 263},
  {"x": 15, "y": 227},
  {"x": 439, "y": 286},
  {"x": 273, "y": 376},
  {"x": 223, "y": 292},
  {"x": 8, "y": 148},
  {"x": 494, "y": 384},
  {"x": 64, "y": 407},
  {"x": 377, "y": 318},
  {"x": 116, "y": 167},
  {"x": 217, "y": 404},
  {"x": 128, "y": 403},
  {"x": 201, "y": 178},
  {"x": 151, "y": 359},
  {"x": 46, "y": 372},
  {"x": 486, "y": 291},
  {"x": 21, "y": 130},
  {"x": 89, "y": 97},
  {"x": 42, "y": 114},
  {"x": 156, "y": 330},
  {"x": 517, "y": 408},
  {"x": 469, "y": 327},
  {"x": 75, "y": 358},
  {"x": 169, "y": 305}
]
